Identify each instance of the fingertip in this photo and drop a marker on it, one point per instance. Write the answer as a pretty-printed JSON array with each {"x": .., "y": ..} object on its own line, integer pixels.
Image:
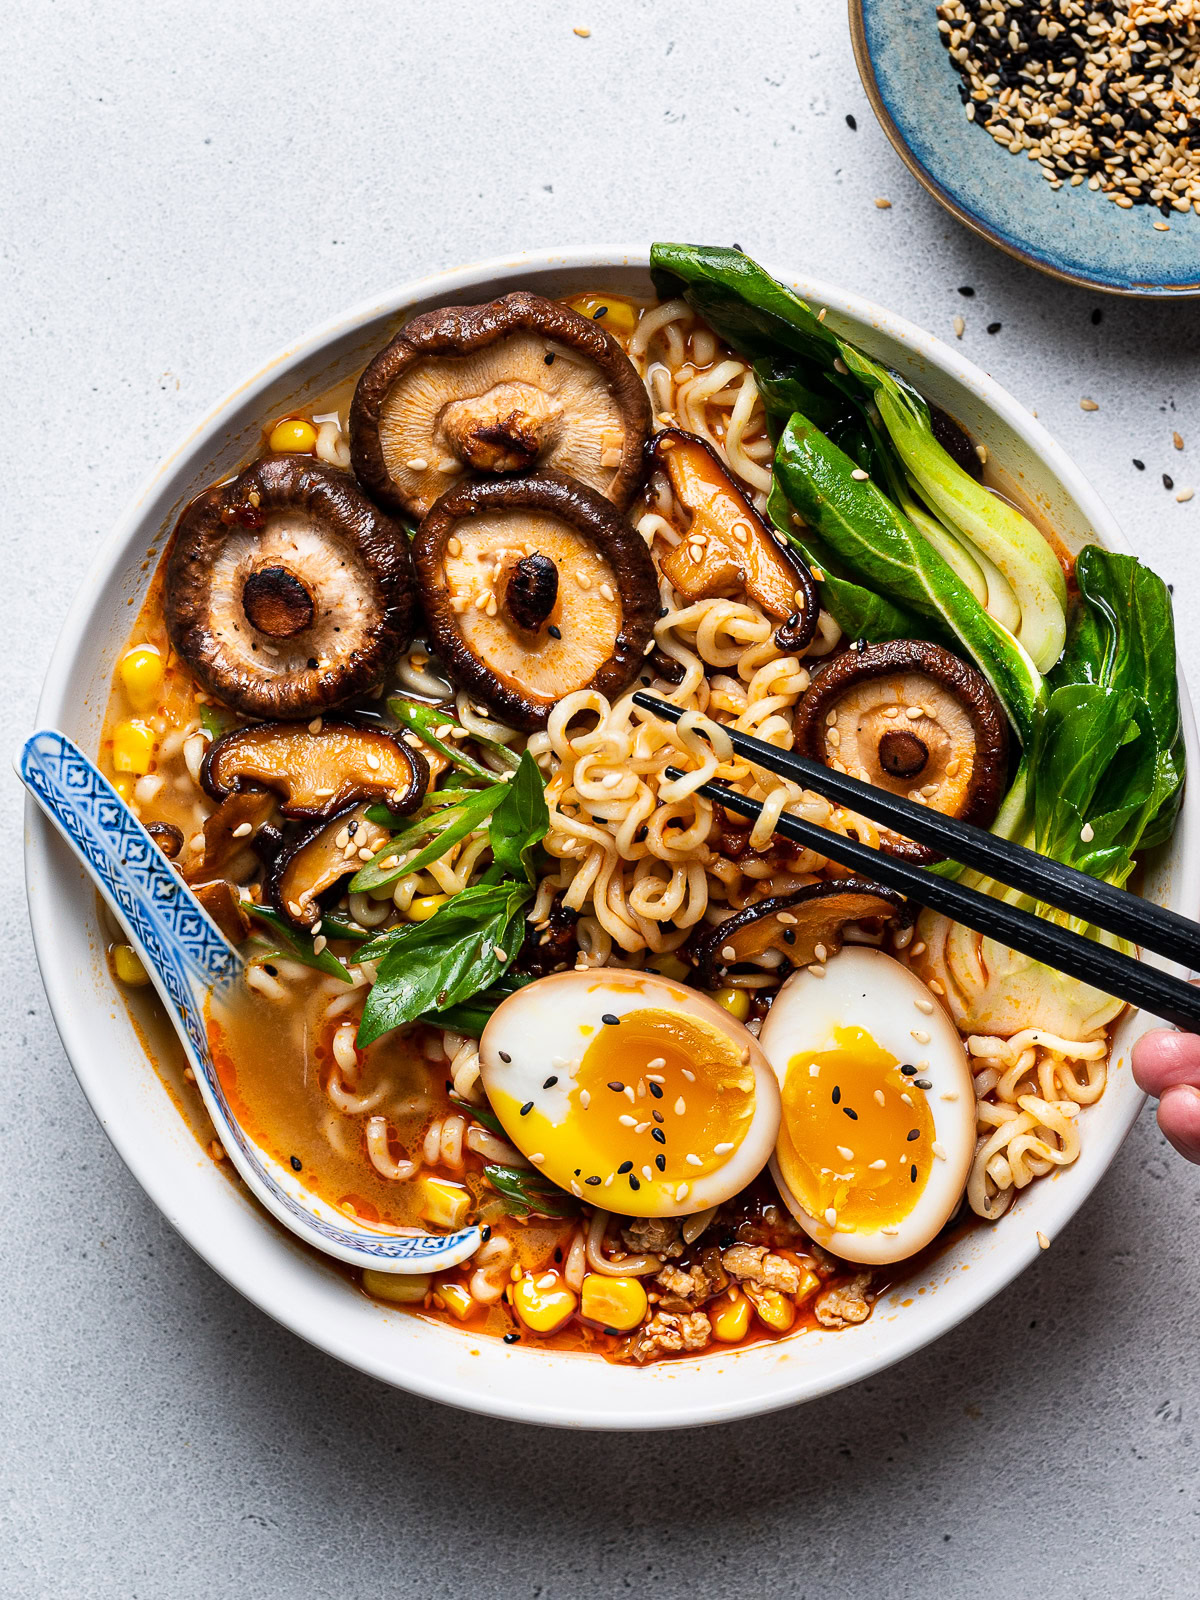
[
  {"x": 1164, "y": 1058},
  {"x": 1179, "y": 1119}
]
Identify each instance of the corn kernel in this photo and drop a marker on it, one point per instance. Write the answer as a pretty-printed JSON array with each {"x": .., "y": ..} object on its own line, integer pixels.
[
  {"x": 730, "y": 1316},
  {"x": 141, "y": 672},
  {"x": 443, "y": 1204},
  {"x": 123, "y": 784},
  {"x": 618, "y": 1303},
  {"x": 670, "y": 967},
  {"x": 133, "y": 747},
  {"x": 293, "y": 436},
  {"x": 454, "y": 1297},
  {"x": 773, "y": 1308},
  {"x": 735, "y": 1001},
  {"x": 620, "y": 318},
  {"x": 424, "y": 906},
  {"x": 402, "y": 1288},
  {"x": 128, "y": 966},
  {"x": 543, "y": 1310},
  {"x": 809, "y": 1284}
]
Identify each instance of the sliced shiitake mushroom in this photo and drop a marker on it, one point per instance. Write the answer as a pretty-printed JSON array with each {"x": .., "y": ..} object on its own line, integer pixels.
[
  {"x": 728, "y": 549},
  {"x": 501, "y": 629},
  {"x": 223, "y": 904},
  {"x": 287, "y": 592},
  {"x": 519, "y": 383},
  {"x": 910, "y": 717},
  {"x": 318, "y": 768},
  {"x": 319, "y": 859},
  {"x": 167, "y": 837},
  {"x": 800, "y": 925},
  {"x": 234, "y": 826}
]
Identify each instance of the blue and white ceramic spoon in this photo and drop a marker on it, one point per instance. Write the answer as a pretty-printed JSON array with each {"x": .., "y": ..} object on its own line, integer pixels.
[{"x": 187, "y": 959}]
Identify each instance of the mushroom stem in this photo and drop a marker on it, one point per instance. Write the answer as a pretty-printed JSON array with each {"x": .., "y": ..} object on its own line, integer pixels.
[
  {"x": 277, "y": 603},
  {"x": 532, "y": 591},
  {"x": 902, "y": 754}
]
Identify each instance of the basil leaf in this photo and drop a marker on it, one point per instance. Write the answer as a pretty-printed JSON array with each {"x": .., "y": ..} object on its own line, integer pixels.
[
  {"x": 430, "y": 966},
  {"x": 335, "y": 927},
  {"x": 482, "y": 1114},
  {"x": 292, "y": 945},
  {"x": 520, "y": 821},
  {"x": 528, "y": 1193},
  {"x": 471, "y": 1016},
  {"x": 448, "y": 826},
  {"x": 434, "y": 800},
  {"x": 423, "y": 720},
  {"x": 864, "y": 528}
]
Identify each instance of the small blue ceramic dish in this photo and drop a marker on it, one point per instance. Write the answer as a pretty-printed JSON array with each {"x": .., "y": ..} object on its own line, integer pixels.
[{"x": 1073, "y": 234}]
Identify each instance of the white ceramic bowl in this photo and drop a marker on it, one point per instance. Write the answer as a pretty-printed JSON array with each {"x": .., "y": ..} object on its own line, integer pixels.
[{"x": 237, "y": 1238}]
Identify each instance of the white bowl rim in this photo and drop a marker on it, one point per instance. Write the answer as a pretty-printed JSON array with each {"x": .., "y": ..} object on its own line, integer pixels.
[{"x": 490, "y": 276}]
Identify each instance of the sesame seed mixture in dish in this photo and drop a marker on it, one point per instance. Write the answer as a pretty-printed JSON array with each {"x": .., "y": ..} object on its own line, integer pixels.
[
  {"x": 700, "y": 1087},
  {"x": 1102, "y": 92}
]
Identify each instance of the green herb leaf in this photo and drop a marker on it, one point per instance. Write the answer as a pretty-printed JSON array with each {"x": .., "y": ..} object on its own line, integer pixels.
[
  {"x": 520, "y": 821},
  {"x": 470, "y": 1017},
  {"x": 529, "y": 1194},
  {"x": 424, "y": 719},
  {"x": 431, "y": 966},
  {"x": 482, "y": 1114},
  {"x": 215, "y": 720},
  {"x": 335, "y": 927},
  {"x": 292, "y": 945}
]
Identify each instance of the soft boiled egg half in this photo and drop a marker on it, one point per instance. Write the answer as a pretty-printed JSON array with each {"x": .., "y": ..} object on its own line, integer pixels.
[
  {"x": 630, "y": 1091},
  {"x": 878, "y": 1125}
]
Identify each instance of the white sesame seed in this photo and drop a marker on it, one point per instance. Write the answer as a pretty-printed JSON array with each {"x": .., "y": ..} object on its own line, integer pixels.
[
  {"x": 814, "y": 1070},
  {"x": 1087, "y": 404},
  {"x": 1184, "y": 495},
  {"x": 417, "y": 464},
  {"x": 242, "y": 831},
  {"x": 585, "y": 1099},
  {"x": 680, "y": 1106},
  {"x": 938, "y": 1149},
  {"x": 627, "y": 1121},
  {"x": 690, "y": 1076},
  {"x": 1042, "y": 1240},
  {"x": 681, "y": 1193},
  {"x": 880, "y": 1097},
  {"x": 722, "y": 1149},
  {"x": 845, "y": 1152},
  {"x": 951, "y": 1094},
  {"x": 918, "y": 1035},
  {"x": 860, "y": 475},
  {"x": 877, "y": 1166},
  {"x": 831, "y": 1216},
  {"x": 924, "y": 1005},
  {"x": 537, "y": 1158},
  {"x": 1087, "y": 833},
  {"x": 728, "y": 953},
  {"x": 693, "y": 1161}
]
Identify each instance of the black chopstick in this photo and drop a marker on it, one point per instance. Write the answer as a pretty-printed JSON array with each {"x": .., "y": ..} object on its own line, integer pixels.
[
  {"x": 1108, "y": 970},
  {"x": 1116, "y": 910}
]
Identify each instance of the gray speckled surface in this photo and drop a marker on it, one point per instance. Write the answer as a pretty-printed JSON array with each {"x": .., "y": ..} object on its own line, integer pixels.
[{"x": 187, "y": 190}]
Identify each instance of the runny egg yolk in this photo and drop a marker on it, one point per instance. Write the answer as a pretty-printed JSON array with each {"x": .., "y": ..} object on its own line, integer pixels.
[
  {"x": 857, "y": 1135},
  {"x": 662, "y": 1091}
]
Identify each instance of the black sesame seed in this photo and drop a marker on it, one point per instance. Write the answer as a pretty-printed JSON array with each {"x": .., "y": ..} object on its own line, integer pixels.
[
  {"x": 656, "y": 1114},
  {"x": 1140, "y": 465},
  {"x": 912, "y": 1173},
  {"x": 994, "y": 327},
  {"x": 592, "y": 1180},
  {"x": 600, "y": 311},
  {"x": 966, "y": 291},
  {"x": 527, "y": 1108},
  {"x": 485, "y": 1233},
  {"x": 853, "y": 1115},
  {"x": 550, "y": 1082},
  {"x": 614, "y": 1332},
  {"x": 296, "y": 1163},
  {"x": 312, "y": 663},
  {"x": 578, "y": 1170},
  {"x": 655, "y": 1089},
  {"x": 634, "y": 1182},
  {"x": 1097, "y": 317},
  {"x": 837, "y": 1094},
  {"x": 505, "y": 1057},
  {"x": 789, "y": 936},
  {"x": 645, "y": 682},
  {"x": 658, "y": 1136},
  {"x": 923, "y": 1083},
  {"x": 851, "y": 122},
  {"x": 609, "y": 1020},
  {"x": 1168, "y": 481},
  {"x": 913, "y": 1133},
  {"x": 549, "y": 358},
  {"x": 270, "y": 971},
  {"x": 512, "y": 1338},
  {"x": 909, "y": 1072},
  {"x": 617, "y": 1087},
  {"x": 555, "y": 633},
  {"x": 626, "y": 1166},
  {"x": 660, "y": 1161}
]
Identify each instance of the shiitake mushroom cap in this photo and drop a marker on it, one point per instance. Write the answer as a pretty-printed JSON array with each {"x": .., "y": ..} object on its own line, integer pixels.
[
  {"x": 524, "y": 688},
  {"x": 795, "y": 924},
  {"x": 956, "y": 745},
  {"x": 517, "y": 384},
  {"x": 287, "y": 592},
  {"x": 314, "y": 863},
  {"x": 316, "y": 771}
]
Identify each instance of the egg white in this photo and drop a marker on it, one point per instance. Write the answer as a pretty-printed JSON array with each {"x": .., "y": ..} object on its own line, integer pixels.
[
  {"x": 543, "y": 1030},
  {"x": 864, "y": 988}
]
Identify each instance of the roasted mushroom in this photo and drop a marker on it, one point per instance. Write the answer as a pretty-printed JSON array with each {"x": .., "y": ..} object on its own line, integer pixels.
[
  {"x": 319, "y": 859},
  {"x": 223, "y": 904},
  {"x": 534, "y": 587},
  {"x": 728, "y": 549},
  {"x": 287, "y": 592},
  {"x": 167, "y": 837},
  {"x": 519, "y": 383},
  {"x": 804, "y": 926},
  {"x": 233, "y": 826},
  {"x": 316, "y": 769},
  {"x": 910, "y": 717}
]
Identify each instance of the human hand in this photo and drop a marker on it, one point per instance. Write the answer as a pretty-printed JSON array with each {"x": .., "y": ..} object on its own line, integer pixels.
[{"x": 1166, "y": 1064}]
